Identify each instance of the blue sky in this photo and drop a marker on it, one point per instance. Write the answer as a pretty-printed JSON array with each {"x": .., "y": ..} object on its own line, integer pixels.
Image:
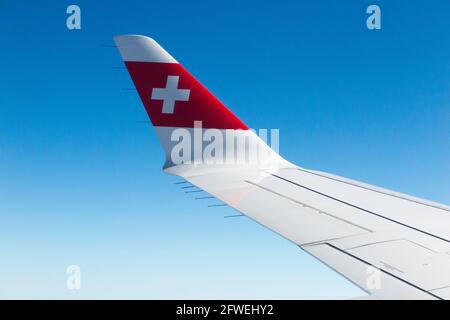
[{"x": 81, "y": 181}]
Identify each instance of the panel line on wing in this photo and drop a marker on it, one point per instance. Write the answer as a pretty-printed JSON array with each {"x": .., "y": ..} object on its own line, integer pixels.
[
  {"x": 332, "y": 268},
  {"x": 308, "y": 206},
  {"x": 383, "y": 270},
  {"x": 360, "y": 208},
  {"x": 355, "y": 184},
  {"x": 392, "y": 240}
]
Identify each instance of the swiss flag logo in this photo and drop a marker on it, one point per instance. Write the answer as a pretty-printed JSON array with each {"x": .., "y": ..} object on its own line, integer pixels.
[
  {"x": 170, "y": 94},
  {"x": 174, "y": 98}
]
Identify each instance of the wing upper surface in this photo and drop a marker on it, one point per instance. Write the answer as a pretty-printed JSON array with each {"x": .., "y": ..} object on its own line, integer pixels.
[{"x": 358, "y": 230}]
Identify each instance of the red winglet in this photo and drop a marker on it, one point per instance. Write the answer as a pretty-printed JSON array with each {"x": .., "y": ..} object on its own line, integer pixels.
[{"x": 170, "y": 94}]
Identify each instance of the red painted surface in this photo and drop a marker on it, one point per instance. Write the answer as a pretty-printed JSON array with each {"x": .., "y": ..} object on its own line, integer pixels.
[{"x": 202, "y": 105}]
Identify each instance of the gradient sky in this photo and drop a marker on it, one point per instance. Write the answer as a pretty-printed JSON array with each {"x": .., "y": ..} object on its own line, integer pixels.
[{"x": 81, "y": 180}]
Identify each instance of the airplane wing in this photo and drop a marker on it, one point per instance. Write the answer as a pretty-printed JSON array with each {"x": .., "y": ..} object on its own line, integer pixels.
[{"x": 391, "y": 245}]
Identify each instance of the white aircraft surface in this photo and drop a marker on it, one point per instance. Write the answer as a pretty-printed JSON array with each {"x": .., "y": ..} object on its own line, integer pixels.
[{"x": 391, "y": 245}]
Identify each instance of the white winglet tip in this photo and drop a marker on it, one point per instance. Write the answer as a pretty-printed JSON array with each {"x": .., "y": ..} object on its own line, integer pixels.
[{"x": 141, "y": 48}]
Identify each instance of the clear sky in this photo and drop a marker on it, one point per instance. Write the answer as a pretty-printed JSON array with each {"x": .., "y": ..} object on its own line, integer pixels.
[{"x": 81, "y": 180}]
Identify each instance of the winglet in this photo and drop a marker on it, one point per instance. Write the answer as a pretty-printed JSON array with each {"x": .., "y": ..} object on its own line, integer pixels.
[{"x": 141, "y": 48}]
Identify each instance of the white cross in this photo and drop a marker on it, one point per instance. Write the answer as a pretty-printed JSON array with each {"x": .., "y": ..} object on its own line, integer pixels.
[{"x": 170, "y": 94}]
